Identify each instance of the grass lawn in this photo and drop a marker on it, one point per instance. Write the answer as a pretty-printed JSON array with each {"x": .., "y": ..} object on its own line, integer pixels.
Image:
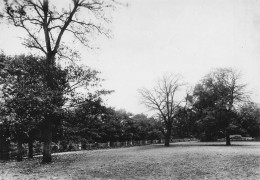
[{"x": 189, "y": 160}]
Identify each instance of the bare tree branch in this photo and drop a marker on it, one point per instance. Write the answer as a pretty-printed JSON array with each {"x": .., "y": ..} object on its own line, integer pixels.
[
  {"x": 46, "y": 26},
  {"x": 162, "y": 99}
]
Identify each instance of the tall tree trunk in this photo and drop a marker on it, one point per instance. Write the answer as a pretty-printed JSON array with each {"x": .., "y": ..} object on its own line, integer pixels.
[
  {"x": 4, "y": 148},
  {"x": 47, "y": 133},
  {"x": 227, "y": 138},
  {"x": 168, "y": 135},
  {"x": 228, "y": 117},
  {"x": 30, "y": 147},
  {"x": 20, "y": 149}
]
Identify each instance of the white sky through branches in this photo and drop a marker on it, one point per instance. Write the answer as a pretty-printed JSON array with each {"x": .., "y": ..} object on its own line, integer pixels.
[{"x": 154, "y": 37}]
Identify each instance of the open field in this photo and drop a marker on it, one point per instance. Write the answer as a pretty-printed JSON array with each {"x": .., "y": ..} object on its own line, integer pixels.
[{"x": 188, "y": 160}]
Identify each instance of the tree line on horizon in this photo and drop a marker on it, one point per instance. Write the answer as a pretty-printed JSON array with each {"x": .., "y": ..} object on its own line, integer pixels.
[{"x": 205, "y": 113}]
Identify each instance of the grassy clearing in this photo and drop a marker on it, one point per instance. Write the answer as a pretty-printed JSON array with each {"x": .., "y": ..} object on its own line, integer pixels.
[{"x": 191, "y": 160}]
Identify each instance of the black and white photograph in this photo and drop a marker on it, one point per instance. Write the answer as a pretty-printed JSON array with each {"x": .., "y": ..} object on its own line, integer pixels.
[{"x": 130, "y": 89}]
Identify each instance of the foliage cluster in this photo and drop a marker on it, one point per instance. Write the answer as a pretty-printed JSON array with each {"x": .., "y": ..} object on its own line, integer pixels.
[{"x": 218, "y": 106}]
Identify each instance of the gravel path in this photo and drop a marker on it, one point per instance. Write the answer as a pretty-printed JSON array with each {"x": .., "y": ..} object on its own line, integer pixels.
[{"x": 189, "y": 160}]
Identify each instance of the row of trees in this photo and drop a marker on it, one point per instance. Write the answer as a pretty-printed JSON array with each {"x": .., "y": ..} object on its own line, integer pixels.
[
  {"x": 34, "y": 98},
  {"x": 218, "y": 106},
  {"x": 212, "y": 110},
  {"x": 93, "y": 122},
  {"x": 27, "y": 101},
  {"x": 46, "y": 26}
]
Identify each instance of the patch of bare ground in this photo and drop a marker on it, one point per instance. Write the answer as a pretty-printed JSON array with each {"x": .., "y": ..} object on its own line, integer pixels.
[{"x": 189, "y": 160}]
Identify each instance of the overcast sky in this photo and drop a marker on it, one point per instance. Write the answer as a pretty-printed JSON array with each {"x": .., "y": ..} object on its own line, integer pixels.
[{"x": 188, "y": 37}]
